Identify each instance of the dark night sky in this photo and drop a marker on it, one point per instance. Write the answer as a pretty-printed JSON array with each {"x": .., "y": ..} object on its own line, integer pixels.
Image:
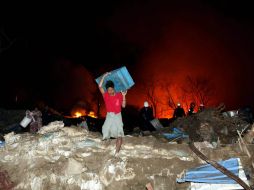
[{"x": 56, "y": 48}]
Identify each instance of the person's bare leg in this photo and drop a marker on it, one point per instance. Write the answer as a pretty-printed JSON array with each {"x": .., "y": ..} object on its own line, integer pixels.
[
  {"x": 149, "y": 186},
  {"x": 119, "y": 142}
]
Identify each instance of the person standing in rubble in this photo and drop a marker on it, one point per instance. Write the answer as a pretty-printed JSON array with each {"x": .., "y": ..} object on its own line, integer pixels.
[
  {"x": 192, "y": 109},
  {"x": 179, "y": 112},
  {"x": 146, "y": 116},
  {"x": 114, "y": 101}
]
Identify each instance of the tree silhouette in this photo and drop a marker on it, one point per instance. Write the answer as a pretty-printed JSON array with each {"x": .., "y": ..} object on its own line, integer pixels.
[
  {"x": 199, "y": 90},
  {"x": 150, "y": 90}
]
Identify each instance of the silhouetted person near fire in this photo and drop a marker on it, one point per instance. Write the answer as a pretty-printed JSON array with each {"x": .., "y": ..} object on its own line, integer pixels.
[
  {"x": 191, "y": 109},
  {"x": 179, "y": 112},
  {"x": 146, "y": 116},
  {"x": 114, "y": 101},
  {"x": 201, "y": 108}
]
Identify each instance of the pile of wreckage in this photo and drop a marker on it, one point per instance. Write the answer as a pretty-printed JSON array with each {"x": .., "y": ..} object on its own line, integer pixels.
[
  {"x": 215, "y": 128},
  {"x": 214, "y": 125},
  {"x": 209, "y": 150}
]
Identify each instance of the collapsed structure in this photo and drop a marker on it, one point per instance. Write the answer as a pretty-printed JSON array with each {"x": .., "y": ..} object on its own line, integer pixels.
[{"x": 59, "y": 157}]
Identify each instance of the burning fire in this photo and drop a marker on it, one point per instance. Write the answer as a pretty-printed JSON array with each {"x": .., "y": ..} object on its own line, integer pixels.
[
  {"x": 92, "y": 114},
  {"x": 78, "y": 114}
]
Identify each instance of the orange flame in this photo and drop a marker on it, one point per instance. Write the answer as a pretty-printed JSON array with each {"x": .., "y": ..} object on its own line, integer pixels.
[
  {"x": 78, "y": 114},
  {"x": 92, "y": 114}
]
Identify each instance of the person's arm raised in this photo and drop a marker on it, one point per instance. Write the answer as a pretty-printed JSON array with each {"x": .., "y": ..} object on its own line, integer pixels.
[
  {"x": 124, "y": 99},
  {"x": 101, "y": 82}
]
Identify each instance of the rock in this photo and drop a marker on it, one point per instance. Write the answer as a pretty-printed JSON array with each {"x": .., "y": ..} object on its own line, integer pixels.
[
  {"x": 51, "y": 127},
  {"x": 72, "y": 167}
]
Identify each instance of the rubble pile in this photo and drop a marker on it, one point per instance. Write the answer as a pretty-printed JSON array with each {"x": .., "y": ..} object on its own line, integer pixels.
[
  {"x": 211, "y": 124},
  {"x": 60, "y": 157}
]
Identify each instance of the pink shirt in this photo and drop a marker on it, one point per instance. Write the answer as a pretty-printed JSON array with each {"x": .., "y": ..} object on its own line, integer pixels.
[{"x": 113, "y": 103}]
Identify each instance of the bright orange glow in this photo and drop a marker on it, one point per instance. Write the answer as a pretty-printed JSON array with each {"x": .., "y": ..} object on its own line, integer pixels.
[
  {"x": 92, "y": 114},
  {"x": 78, "y": 114},
  {"x": 164, "y": 110}
]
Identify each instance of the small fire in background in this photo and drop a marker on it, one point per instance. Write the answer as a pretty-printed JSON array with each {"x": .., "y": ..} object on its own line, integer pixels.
[
  {"x": 82, "y": 112},
  {"x": 92, "y": 114},
  {"x": 78, "y": 114}
]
